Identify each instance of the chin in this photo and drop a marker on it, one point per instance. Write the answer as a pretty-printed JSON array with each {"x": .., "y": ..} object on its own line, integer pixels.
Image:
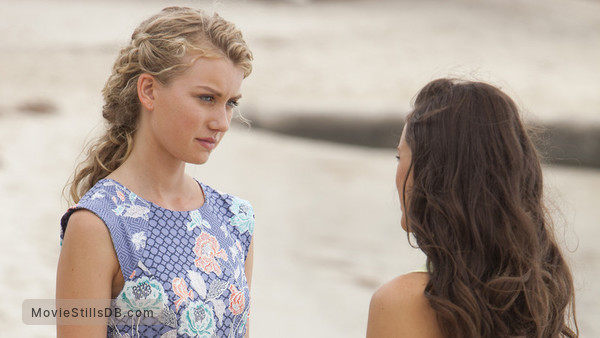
[{"x": 198, "y": 161}]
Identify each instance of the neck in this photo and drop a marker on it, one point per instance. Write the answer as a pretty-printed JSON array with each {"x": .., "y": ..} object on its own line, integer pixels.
[{"x": 158, "y": 177}]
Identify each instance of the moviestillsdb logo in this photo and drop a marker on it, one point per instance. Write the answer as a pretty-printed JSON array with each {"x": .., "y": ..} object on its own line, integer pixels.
[
  {"x": 90, "y": 312},
  {"x": 76, "y": 312}
]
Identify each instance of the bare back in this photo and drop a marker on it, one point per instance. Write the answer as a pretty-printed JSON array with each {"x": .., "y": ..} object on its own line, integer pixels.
[{"x": 399, "y": 309}]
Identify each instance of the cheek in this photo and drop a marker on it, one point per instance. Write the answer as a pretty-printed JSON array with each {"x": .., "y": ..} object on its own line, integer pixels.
[
  {"x": 398, "y": 179},
  {"x": 399, "y": 185},
  {"x": 400, "y": 176},
  {"x": 403, "y": 183}
]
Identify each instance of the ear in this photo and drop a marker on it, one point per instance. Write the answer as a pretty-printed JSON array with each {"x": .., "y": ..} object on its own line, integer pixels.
[{"x": 146, "y": 85}]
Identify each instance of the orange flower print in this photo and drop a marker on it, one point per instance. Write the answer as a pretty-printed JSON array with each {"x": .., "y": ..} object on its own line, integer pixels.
[
  {"x": 207, "y": 249},
  {"x": 181, "y": 290},
  {"x": 121, "y": 195},
  {"x": 237, "y": 301}
]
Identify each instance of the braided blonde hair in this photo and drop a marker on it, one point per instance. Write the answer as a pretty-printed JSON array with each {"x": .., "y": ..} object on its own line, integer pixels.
[{"x": 158, "y": 46}]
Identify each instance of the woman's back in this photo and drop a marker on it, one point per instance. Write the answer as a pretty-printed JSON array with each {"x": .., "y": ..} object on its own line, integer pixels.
[
  {"x": 471, "y": 190},
  {"x": 399, "y": 309}
]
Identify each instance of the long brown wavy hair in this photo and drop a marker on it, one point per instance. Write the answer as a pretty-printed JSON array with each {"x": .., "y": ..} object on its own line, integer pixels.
[
  {"x": 476, "y": 210},
  {"x": 157, "y": 47}
]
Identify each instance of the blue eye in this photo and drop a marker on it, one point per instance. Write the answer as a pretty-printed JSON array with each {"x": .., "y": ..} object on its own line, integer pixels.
[
  {"x": 232, "y": 104},
  {"x": 206, "y": 98}
]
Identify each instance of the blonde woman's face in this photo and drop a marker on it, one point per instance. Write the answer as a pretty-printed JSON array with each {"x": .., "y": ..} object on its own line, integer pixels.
[
  {"x": 193, "y": 111},
  {"x": 402, "y": 171}
]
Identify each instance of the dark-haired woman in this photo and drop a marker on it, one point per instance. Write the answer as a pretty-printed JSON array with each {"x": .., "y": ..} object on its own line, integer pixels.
[{"x": 471, "y": 192}]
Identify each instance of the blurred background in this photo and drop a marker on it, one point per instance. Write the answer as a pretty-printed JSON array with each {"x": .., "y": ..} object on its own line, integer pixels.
[{"x": 331, "y": 83}]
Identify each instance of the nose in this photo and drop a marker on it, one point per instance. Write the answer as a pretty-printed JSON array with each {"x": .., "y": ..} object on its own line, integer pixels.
[{"x": 220, "y": 119}]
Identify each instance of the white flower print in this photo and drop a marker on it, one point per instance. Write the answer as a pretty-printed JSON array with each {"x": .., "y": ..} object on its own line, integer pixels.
[
  {"x": 139, "y": 240},
  {"x": 130, "y": 209},
  {"x": 137, "y": 211}
]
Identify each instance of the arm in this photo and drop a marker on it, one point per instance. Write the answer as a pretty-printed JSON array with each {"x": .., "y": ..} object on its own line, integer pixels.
[
  {"x": 86, "y": 268},
  {"x": 248, "y": 269},
  {"x": 400, "y": 309}
]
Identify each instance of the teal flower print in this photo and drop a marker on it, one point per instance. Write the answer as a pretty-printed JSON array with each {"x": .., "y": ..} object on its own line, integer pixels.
[
  {"x": 197, "y": 221},
  {"x": 142, "y": 294},
  {"x": 243, "y": 215},
  {"x": 197, "y": 320}
]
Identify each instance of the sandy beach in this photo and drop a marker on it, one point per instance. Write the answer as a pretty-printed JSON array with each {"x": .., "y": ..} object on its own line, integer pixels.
[{"x": 328, "y": 231}]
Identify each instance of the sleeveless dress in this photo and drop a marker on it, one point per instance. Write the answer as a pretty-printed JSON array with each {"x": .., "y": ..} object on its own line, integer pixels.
[{"x": 183, "y": 270}]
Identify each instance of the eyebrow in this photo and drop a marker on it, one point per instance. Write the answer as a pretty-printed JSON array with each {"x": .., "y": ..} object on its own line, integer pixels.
[{"x": 216, "y": 92}]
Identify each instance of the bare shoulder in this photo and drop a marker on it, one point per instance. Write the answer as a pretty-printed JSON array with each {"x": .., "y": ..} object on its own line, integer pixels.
[
  {"x": 85, "y": 220},
  {"x": 87, "y": 267},
  {"x": 87, "y": 254},
  {"x": 399, "y": 308},
  {"x": 85, "y": 228},
  {"x": 405, "y": 286}
]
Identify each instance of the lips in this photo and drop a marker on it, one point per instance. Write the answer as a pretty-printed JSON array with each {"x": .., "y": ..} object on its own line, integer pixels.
[{"x": 207, "y": 142}]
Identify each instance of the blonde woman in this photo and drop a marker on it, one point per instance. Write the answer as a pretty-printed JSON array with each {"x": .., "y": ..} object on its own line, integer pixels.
[{"x": 173, "y": 253}]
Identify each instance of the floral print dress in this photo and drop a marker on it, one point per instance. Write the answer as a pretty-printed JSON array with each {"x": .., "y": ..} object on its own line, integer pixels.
[{"x": 183, "y": 270}]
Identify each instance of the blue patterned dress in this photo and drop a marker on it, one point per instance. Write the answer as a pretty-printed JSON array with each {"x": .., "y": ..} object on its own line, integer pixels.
[{"x": 183, "y": 270}]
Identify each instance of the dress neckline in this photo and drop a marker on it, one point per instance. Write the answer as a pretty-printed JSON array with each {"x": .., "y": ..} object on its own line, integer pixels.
[{"x": 202, "y": 186}]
